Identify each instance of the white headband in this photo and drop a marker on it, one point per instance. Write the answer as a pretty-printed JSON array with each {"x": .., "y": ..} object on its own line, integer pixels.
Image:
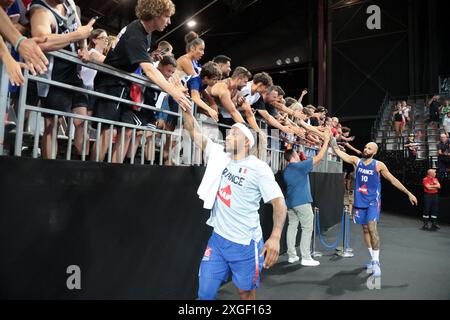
[{"x": 246, "y": 132}]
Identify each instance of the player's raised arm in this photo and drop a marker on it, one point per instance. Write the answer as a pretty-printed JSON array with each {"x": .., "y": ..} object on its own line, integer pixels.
[
  {"x": 191, "y": 125},
  {"x": 341, "y": 154}
]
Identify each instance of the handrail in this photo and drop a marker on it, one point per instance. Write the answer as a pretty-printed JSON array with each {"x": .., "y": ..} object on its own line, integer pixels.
[{"x": 274, "y": 153}]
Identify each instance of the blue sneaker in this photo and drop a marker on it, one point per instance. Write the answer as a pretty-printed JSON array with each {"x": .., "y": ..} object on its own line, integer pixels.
[
  {"x": 376, "y": 269},
  {"x": 369, "y": 265}
]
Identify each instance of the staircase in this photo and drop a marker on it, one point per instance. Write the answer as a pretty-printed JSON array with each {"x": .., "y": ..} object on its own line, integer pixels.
[
  {"x": 385, "y": 136},
  {"x": 391, "y": 146}
]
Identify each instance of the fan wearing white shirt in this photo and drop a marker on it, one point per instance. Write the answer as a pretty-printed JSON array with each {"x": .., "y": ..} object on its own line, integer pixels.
[
  {"x": 236, "y": 183},
  {"x": 98, "y": 41}
]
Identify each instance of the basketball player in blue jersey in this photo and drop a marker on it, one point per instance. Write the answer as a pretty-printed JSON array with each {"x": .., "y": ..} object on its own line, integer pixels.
[{"x": 367, "y": 203}]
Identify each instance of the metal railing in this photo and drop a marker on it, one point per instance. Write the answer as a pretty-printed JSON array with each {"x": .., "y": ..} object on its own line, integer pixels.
[
  {"x": 143, "y": 137},
  {"x": 166, "y": 136},
  {"x": 379, "y": 119}
]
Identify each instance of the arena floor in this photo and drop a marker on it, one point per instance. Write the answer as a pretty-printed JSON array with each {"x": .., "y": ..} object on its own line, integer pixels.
[{"x": 415, "y": 265}]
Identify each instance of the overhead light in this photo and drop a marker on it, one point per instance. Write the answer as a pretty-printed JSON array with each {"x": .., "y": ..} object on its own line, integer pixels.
[
  {"x": 191, "y": 23},
  {"x": 279, "y": 62},
  {"x": 296, "y": 59},
  {"x": 288, "y": 60}
]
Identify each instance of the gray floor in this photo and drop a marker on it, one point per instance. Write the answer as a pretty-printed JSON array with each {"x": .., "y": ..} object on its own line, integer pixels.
[{"x": 415, "y": 265}]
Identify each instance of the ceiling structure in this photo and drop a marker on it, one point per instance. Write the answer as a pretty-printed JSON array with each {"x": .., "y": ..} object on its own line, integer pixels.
[{"x": 255, "y": 33}]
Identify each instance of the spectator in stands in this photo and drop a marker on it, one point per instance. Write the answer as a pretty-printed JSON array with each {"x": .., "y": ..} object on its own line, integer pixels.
[
  {"x": 398, "y": 120},
  {"x": 406, "y": 110},
  {"x": 98, "y": 41},
  {"x": 443, "y": 156},
  {"x": 321, "y": 113},
  {"x": 298, "y": 201},
  {"x": 434, "y": 111},
  {"x": 188, "y": 65},
  {"x": 208, "y": 77},
  {"x": 309, "y": 111},
  {"x": 259, "y": 94},
  {"x": 142, "y": 117},
  {"x": 446, "y": 123},
  {"x": 56, "y": 20},
  {"x": 224, "y": 63},
  {"x": 411, "y": 147},
  {"x": 431, "y": 187},
  {"x": 206, "y": 107},
  {"x": 297, "y": 108},
  {"x": 164, "y": 49},
  {"x": 111, "y": 41},
  {"x": 444, "y": 109},
  {"x": 344, "y": 137},
  {"x": 335, "y": 128},
  {"x": 312, "y": 118},
  {"x": 228, "y": 97},
  {"x": 290, "y": 102},
  {"x": 131, "y": 51}
]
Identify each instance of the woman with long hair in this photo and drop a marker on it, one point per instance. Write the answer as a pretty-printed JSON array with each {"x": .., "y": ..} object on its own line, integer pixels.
[{"x": 188, "y": 64}]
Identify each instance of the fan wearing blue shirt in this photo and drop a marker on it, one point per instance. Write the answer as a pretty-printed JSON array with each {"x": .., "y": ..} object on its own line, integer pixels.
[
  {"x": 298, "y": 201},
  {"x": 209, "y": 75}
]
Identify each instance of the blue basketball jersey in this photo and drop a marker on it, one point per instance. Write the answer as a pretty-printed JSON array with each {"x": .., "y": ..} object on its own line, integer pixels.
[{"x": 367, "y": 185}]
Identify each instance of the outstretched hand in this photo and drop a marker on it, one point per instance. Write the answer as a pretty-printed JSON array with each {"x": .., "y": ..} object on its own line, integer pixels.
[
  {"x": 180, "y": 96},
  {"x": 412, "y": 199},
  {"x": 33, "y": 56}
]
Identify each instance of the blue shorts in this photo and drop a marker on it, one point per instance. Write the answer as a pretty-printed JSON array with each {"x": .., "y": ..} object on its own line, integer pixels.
[
  {"x": 365, "y": 215},
  {"x": 223, "y": 256}
]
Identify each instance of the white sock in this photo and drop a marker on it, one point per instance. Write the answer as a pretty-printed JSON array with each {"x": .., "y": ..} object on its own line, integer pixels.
[
  {"x": 371, "y": 252},
  {"x": 376, "y": 255}
]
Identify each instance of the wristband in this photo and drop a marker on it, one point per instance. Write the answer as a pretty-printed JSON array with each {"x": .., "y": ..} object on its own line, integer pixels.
[{"x": 18, "y": 42}]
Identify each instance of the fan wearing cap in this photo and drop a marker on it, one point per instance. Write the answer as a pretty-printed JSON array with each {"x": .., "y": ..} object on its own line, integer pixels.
[{"x": 233, "y": 186}]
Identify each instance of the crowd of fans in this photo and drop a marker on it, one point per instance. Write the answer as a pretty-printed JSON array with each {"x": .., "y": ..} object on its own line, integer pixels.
[{"x": 220, "y": 96}]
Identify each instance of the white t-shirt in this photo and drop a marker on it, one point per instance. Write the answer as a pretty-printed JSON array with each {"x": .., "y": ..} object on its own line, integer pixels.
[
  {"x": 235, "y": 213},
  {"x": 88, "y": 74},
  {"x": 446, "y": 122},
  {"x": 405, "y": 111},
  {"x": 247, "y": 93}
]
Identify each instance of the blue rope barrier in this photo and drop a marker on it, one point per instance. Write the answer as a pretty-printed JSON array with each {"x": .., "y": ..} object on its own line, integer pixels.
[{"x": 341, "y": 234}]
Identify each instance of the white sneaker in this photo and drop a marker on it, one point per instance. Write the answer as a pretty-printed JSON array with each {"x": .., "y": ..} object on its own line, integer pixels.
[
  {"x": 293, "y": 260},
  {"x": 310, "y": 263}
]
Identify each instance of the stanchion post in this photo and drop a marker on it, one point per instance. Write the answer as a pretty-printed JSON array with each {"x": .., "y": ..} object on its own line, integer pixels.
[
  {"x": 345, "y": 252},
  {"x": 315, "y": 254}
]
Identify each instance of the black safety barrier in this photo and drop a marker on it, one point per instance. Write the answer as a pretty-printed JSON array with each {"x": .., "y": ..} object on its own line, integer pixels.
[{"x": 134, "y": 232}]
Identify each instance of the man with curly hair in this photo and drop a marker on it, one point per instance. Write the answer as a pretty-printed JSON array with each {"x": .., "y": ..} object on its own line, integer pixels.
[{"x": 129, "y": 53}]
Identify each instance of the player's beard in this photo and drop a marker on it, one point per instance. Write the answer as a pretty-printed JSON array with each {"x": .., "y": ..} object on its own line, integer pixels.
[{"x": 367, "y": 156}]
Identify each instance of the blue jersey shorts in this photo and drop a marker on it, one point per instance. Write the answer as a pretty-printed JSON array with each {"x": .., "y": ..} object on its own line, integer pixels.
[
  {"x": 365, "y": 215},
  {"x": 223, "y": 257}
]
